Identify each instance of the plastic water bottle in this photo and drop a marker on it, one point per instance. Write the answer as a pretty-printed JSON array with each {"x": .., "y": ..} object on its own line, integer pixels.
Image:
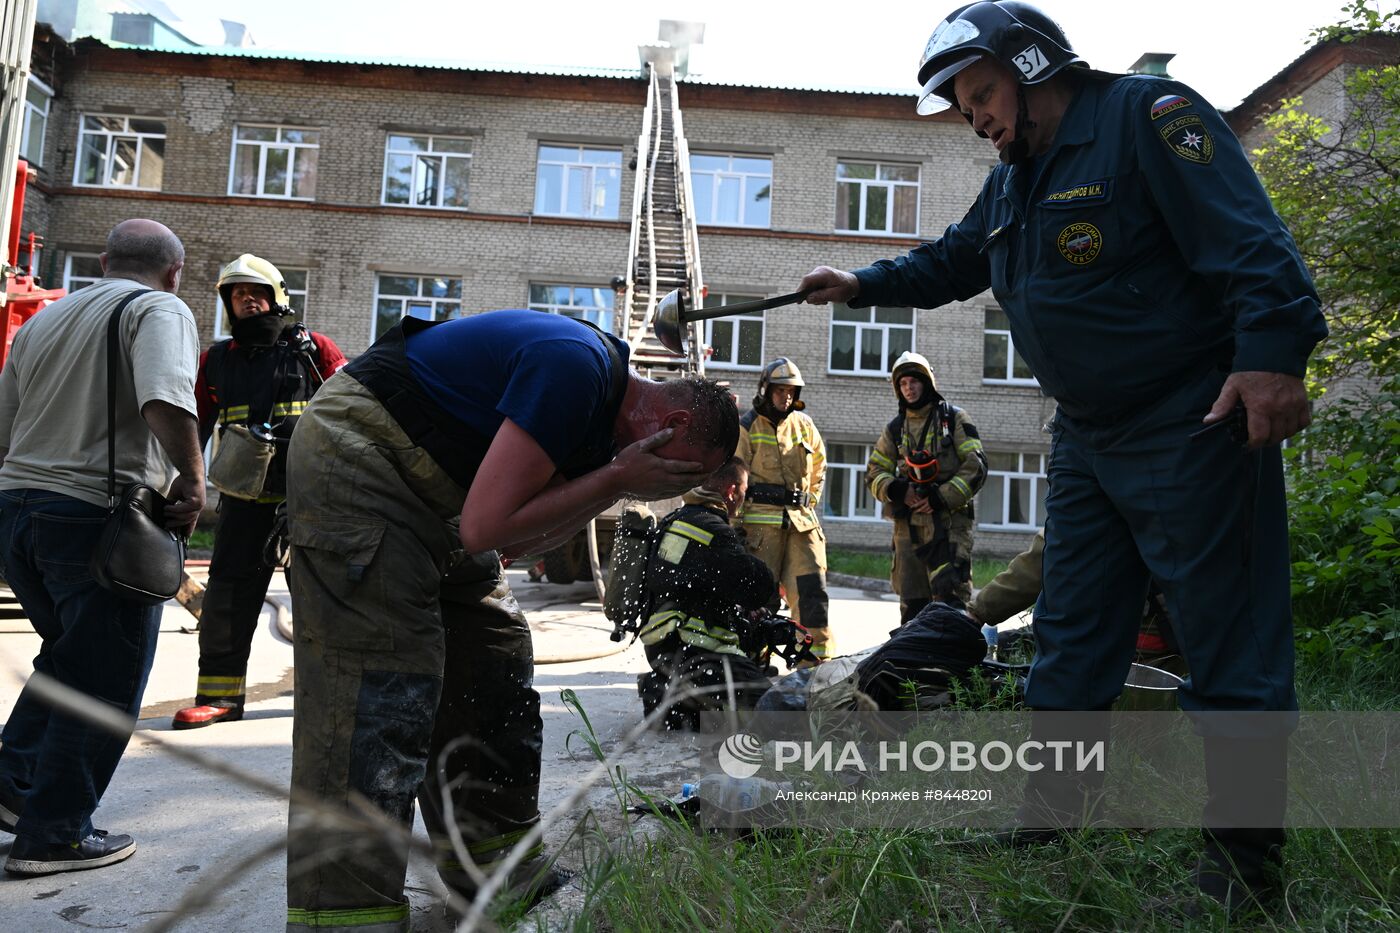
[{"x": 733, "y": 795}]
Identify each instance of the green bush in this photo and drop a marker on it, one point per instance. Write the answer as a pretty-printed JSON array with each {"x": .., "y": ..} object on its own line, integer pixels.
[{"x": 1344, "y": 509}]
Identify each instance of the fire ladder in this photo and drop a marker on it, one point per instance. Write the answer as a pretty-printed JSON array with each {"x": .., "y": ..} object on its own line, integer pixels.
[{"x": 664, "y": 251}]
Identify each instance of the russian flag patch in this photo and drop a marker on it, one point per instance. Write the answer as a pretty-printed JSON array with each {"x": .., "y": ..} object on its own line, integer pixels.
[{"x": 1167, "y": 103}]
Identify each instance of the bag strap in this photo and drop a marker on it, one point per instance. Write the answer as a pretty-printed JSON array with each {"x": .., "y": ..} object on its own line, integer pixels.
[{"x": 113, "y": 357}]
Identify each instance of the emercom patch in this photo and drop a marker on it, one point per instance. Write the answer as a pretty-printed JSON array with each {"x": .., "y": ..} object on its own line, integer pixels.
[
  {"x": 1187, "y": 137},
  {"x": 1080, "y": 243},
  {"x": 1167, "y": 103},
  {"x": 1093, "y": 191}
]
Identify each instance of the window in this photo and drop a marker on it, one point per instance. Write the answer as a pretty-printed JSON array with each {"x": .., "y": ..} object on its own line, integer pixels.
[
  {"x": 576, "y": 181},
  {"x": 732, "y": 190},
  {"x": 274, "y": 162},
  {"x": 36, "y": 121},
  {"x": 431, "y": 298},
  {"x": 847, "y": 496},
  {"x": 735, "y": 342},
  {"x": 876, "y": 197},
  {"x": 1013, "y": 498},
  {"x": 120, "y": 152},
  {"x": 296, "y": 280},
  {"x": 583, "y": 302},
  {"x": 1000, "y": 361},
  {"x": 867, "y": 341},
  {"x": 80, "y": 270},
  {"x": 427, "y": 171}
]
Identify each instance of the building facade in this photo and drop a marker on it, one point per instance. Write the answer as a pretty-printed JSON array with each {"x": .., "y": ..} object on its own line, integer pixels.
[{"x": 383, "y": 189}]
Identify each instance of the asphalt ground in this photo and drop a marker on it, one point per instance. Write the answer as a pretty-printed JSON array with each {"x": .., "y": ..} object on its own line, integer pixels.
[{"x": 195, "y": 830}]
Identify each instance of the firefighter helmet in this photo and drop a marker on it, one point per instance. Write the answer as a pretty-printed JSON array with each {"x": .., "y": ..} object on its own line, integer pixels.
[
  {"x": 780, "y": 372},
  {"x": 250, "y": 268},
  {"x": 1019, "y": 36},
  {"x": 913, "y": 364}
]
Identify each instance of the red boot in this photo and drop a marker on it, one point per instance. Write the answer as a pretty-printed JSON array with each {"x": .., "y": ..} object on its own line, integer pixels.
[{"x": 197, "y": 717}]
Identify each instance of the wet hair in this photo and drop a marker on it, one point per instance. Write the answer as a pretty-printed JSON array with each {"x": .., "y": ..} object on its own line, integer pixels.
[
  {"x": 734, "y": 470},
  {"x": 715, "y": 417},
  {"x": 143, "y": 248}
]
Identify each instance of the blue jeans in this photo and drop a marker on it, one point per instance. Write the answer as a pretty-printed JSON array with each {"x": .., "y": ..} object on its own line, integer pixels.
[{"x": 57, "y": 764}]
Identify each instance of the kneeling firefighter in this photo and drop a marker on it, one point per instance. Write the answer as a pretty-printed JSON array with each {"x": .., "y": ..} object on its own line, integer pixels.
[
  {"x": 702, "y": 586},
  {"x": 927, "y": 467},
  {"x": 251, "y": 387},
  {"x": 787, "y": 465}
]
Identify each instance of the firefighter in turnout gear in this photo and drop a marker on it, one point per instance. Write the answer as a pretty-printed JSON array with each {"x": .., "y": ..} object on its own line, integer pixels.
[
  {"x": 701, "y": 582},
  {"x": 251, "y": 387},
  {"x": 926, "y": 468},
  {"x": 787, "y": 471}
]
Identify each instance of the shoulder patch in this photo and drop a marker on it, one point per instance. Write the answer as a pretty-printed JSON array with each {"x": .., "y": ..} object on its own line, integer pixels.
[
  {"x": 1090, "y": 191},
  {"x": 970, "y": 429},
  {"x": 1188, "y": 137},
  {"x": 1167, "y": 103}
]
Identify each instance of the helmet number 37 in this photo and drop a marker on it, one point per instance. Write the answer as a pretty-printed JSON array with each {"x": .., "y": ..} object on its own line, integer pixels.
[{"x": 1031, "y": 61}]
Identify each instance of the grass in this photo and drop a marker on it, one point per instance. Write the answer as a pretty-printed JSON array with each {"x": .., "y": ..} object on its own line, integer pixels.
[
  {"x": 847, "y": 880},
  {"x": 203, "y": 540},
  {"x": 876, "y": 564}
]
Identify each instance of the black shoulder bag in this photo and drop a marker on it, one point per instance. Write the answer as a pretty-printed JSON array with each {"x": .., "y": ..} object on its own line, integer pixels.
[{"x": 136, "y": 557}]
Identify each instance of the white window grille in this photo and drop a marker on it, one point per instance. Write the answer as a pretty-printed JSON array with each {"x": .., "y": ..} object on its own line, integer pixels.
[
  {"x": 1000, "y": 361},
  {"x": 732, "y": 190},
  {"x": 578, "y": 181},
  {"x": 120, "y": 152},
  {"x": 867, "y": 341},
  {"x": 400, "y": 295},
  {"x": 846, "y": 496},
  {"x": 584, "y": 302},
  {"x": 274, "y": 162},
  {"x": 427, "y": 171},
  {"x": 1013, "y": 497},
  {"x": 36, "y": 121},
  {"x": 735, "y": 342},
  {"x": 80, "y": 270},
  {"x": 877, "y": 197}
]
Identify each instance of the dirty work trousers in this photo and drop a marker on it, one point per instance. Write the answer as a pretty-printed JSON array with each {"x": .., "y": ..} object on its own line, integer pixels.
[
  {"x": 413, "y": 671},
  {"x": 233, "y": 600},
  {"x": 797, "y": 560},
  {"x": 915, "y": 582},
  {"x": 683, "y": 668},
  {"x": 1206, "y": 519}
]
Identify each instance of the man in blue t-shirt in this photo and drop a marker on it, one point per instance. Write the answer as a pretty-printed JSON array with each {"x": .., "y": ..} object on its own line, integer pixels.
[{"x": 437, "y": 452}]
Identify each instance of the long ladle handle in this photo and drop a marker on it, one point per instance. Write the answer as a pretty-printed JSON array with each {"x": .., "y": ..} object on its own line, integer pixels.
[{"x": 744, "y": 307}]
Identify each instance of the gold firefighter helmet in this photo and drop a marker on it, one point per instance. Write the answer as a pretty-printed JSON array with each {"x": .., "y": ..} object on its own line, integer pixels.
[
  {"x": 912, "y": 364},
  {"x": 250, "y": 268},
  {"x": 781, "y": 372}
]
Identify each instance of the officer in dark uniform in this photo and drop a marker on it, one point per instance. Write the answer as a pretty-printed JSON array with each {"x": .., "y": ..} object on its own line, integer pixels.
[
  {"x": 1151, "y": 288},
  {"x": 702, "y": 580},
  {"x": 258, "y": 380}
]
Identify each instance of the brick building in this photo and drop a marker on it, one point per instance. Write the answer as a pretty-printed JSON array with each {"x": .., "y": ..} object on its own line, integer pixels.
[{"x": 383, "y": 188}]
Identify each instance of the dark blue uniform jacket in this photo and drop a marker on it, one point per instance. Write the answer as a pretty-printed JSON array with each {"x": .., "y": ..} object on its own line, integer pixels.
[{"x": 1138, "y": 253}]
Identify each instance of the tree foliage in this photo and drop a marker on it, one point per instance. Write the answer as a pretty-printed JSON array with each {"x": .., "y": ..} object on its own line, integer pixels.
[{"x": 1337, "y": 186}]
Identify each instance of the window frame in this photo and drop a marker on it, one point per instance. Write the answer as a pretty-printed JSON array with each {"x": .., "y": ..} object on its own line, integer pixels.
[
  {"x": 433, "y": 301},
  {"x": 892, "y": 184},
  {"x": 609, "y": 314},
  {"x": 263, "y": 146},
  {"x": 564, "y": 177},
  {"x": 1011, "y": 356},
  {"x": 430, "y": 153},
  {"x": 69, "y": 277},
  {"x": 298, "y": 314},
  {"x": 111, "y": 137},
  {"x": 743, "y": 178},
  {"x": 861, "y": 328},
  {"x": 722, "y": 298},
  {"x": 30, "y": 112},
  {"x": 852, "y": 475},
  {"x": 1007, "y": 477}
]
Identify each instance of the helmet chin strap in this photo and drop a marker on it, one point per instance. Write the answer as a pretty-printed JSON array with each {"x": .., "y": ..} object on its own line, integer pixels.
[{"x": 1020, "y": 148}]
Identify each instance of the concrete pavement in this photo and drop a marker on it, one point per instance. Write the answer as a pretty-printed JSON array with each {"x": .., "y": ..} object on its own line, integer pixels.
[{"x": 193, "y": 829}]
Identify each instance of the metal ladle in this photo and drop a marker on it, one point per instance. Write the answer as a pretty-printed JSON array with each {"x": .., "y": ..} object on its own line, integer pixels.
[{"x": 672, "y": 315}]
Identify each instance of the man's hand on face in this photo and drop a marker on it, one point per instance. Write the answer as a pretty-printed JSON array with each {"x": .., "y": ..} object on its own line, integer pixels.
[
  {"x": 645, "y": 475},
  {"x": 1276, "y": 405},
  {"x": 828, "y": 284}
]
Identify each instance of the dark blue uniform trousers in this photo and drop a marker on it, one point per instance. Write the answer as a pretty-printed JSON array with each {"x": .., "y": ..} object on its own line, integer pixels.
[{"x": 1206, "y": 518}]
